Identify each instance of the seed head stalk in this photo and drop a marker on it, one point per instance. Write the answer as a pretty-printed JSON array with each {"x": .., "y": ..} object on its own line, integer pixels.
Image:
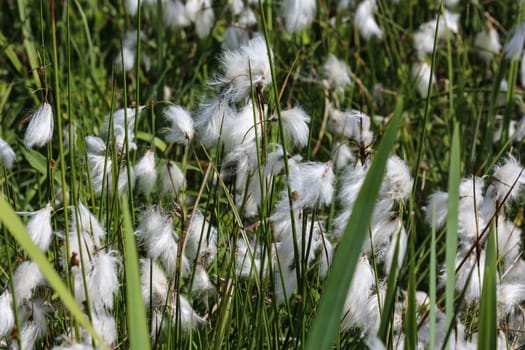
[
  {"x": 61, "y": 145},
  {"x": 275, "y": 91}
]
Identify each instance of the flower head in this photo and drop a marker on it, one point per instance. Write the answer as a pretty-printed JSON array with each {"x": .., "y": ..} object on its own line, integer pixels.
[
  {"x": 487, "y": 44},
  {"x": 123, "y": 125},
  {"x": 175, "y": 14},
  {"x": 39, "y": 227},
  {"x": 298, "y": 14},
  {"x": 201, "y": 281},
  {"x": 295, "y": 124},
  {"x": 249, "y": 66},
  {"x": 146, "y": 173},
  {"x": 186, "y": 314},
  {"x": 336, "y": 72},
  {"x": 342, "y": 155},
  {"x": 201, "y": 13},
  {"x": 181, "y": 129},
  {"x": 7, "y": 321},
  {"x": 353, "y": 124},
  {"x": 26, "y": 278},
  {"x": 423, "y": 77},
  {"x": 397, "y": 183},
  {"x": 153, "y": 282},
  {"x": 201, "y": 240},
  {"x": 85, "y": 221},
  {"x": 105, "y": 325},
  {"x": 514, "y": 46},
  {"x": 7, "y": 155},
  {"x": 312, "y": 183},
  {"x": 210, "y": 120},
  {"x": 103, "y": 281},
  {"x": 171, "y": 179},
  {"x": 365, "y": 21},
  {"x": 241, "y": 128},
  {"x": 40, "y": 129},
  {"x": 507, "y": 182}
]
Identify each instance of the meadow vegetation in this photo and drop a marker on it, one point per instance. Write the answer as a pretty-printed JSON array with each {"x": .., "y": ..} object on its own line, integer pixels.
[{"x": 249, "y": 174}]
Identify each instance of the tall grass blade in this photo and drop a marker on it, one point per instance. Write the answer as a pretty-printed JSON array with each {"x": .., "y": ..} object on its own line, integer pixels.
[
  {"x": 17, "y": 229},
  {"x": 411, "y": 314},
  {"x": 487, "y": 323},
  {"x": 137, "y": 325},
  {"x": 433, "y": 282},
  {"x": 452, "y": 225},
  {"x": 388, "y": 308},
  {"x": 326, "y": 322}
]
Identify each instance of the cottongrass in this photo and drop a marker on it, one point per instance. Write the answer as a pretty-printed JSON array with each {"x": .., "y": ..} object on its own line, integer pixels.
[
  {"x": 365, "y": 21},
  {"x": 146, "y": 172},
  {"x": 181, "y": 128},
  {"x": 7, "y": 155},
  {"x": 193, "y": 242},
  {"x": 487, "y": 43},
  {"x": 298, "y": 14},
  {"x": 40, "y": 129}
]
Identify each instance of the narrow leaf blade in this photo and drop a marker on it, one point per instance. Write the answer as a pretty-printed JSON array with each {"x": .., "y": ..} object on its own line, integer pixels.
[
  {"x": 326, "y": 323},
  {"x": 137, "y": 325}
]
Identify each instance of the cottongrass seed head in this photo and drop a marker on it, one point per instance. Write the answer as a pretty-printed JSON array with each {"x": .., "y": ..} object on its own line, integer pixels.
[
  {"x": 423, "y": 77},
  {"x": 171, "y": 179},
  {"x": 153, "y": 282},
  {"x": 200, "y": 12},
  {"x": 39, "y": 227},
  {"x": 103, "y": 282},
  {"x": 514, "y": 46},
  {"x": 295, "y": 123},
  {"x": 249, "y": 66},
  {"x": 7, "y": 155},
  {"x": 365, "y": 22},
  {"x": 7, "y": 321},
  {"x": 298, "y": 14},
  {"x": 337, "y": 73},
  {"x": 40, "y": 129},
  {"x": 175, "y": 14},
  {"x": 181, "y": 125},
  {"x": 26, "y": 278},
  {"x": 487, "y": 43},
  {"x": 313, "y": 184},
  {"x": 146, "y": 173}
]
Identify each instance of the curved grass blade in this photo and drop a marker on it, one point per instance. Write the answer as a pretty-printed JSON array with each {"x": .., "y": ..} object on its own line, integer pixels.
[
  {"x": 326, "y": 323},
  {"x": 17, "y": 229},
  {"x": 137, "y": 325}
]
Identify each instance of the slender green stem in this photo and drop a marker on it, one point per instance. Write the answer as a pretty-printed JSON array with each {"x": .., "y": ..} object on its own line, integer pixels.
[{"x": 58, "y": 109}]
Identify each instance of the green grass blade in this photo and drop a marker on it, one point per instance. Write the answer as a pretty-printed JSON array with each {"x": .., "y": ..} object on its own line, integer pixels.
[
  {"x": 452, "y": 225},
  {"x": 326, "y": 323},
  {"x": 17, "y": 229},
  {"x": 487, "y": 323},
  {"x": 432, "y": 293},
  {"x": 386, "y": 316},
  {"x": 411, "y": 314},
  {"x": 136, "y": 311}
]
